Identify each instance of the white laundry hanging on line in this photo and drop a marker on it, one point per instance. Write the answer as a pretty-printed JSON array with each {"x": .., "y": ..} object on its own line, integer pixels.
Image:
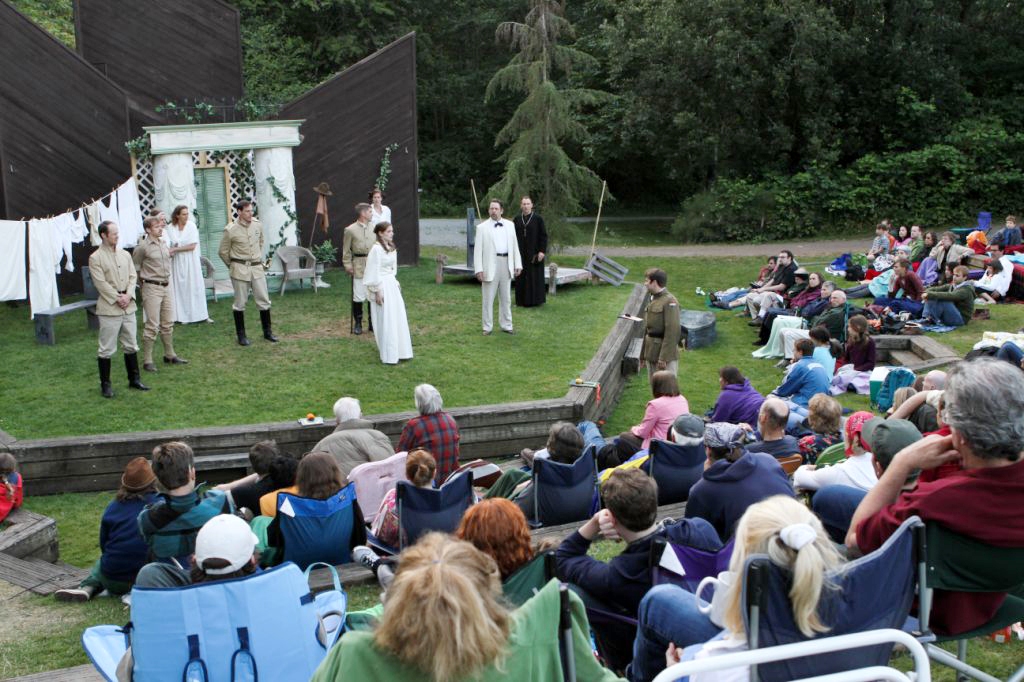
[
  {"x": 44, "y": 254},
  {"x": 108, "y": 211},
  {"x": 12, "y": 260},
  {"x": 80, "y": 230},
  {"x": 92, "y": 212},
  {"x": 66, "y": 229},
  {"x": 129, "y": 214}
]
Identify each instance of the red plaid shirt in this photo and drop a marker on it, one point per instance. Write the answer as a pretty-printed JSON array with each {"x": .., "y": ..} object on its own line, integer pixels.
[{"x": 437, "y": 433}]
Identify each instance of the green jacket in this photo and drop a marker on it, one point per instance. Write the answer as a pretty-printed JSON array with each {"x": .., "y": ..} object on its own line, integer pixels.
[
  {"x": 834, "y": 320},
  {"x": 532, "y": 650},
  {"x": 962, "y": 297}
]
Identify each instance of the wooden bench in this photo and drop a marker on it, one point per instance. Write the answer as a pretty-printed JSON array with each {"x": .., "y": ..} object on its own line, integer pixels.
[
  {"x": 357, "y": 574},
  {"x": 39, "y": 576},
  {"x": 44, "y": 320},
  {"x": 232, "y": 460},
  {"x": 30, "y": 535}
]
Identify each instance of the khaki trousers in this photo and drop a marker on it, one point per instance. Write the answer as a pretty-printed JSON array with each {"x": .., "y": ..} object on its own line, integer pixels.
[
  {"x": 358, "y": 290},
  {"x": 258, "y": 286},
  {"x": 114, "y": 328},
  {"x": 502, "y": 286},
  {"x": 158, "y": 305}
]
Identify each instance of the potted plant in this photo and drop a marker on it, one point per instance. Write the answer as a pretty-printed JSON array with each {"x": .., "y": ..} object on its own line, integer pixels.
[{"x": 325, "y": 254}]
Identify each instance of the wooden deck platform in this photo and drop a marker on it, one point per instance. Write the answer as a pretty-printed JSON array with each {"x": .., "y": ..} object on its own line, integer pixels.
[
  {"x": 81, "y": 673},
  {"x": 564, "y": 276}
]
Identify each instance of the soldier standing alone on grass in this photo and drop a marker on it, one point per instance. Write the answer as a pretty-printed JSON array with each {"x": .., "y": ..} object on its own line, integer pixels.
[
  {"x": 241, "y": 249},
  {"x": 660, "y": 349}
]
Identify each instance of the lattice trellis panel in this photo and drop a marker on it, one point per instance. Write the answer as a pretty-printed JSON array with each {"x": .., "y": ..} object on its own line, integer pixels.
[{"x": 239, "y": 187}]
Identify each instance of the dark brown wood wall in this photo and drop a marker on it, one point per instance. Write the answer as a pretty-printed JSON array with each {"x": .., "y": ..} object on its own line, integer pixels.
[
  {"x": 62, "y": 124},
  {"x": 161, "y": 51},
  {"x": 350, "y": 119}
]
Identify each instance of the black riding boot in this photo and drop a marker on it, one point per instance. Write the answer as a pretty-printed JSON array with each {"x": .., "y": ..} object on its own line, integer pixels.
[
  {"x": 268, "y": 332},
  {"x": 240, "y": 327},
  {"x": 369, "y": 316},
  {"x": 357, "y": 315},
  {"x": 131, "y": 363},
  {"x": 105, "y": 388}
]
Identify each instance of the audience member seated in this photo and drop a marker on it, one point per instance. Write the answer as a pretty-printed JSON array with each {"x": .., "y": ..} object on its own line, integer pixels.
[
  {"x": 805, "y": 289},
  {"x": 922, "y": 408},
  {"x": 765, "y": 273},
  {"x": 247, "y": 491},
  {"x": 881, "y": 245},
  {"x": 904, "y": 237},
  {"x": 771, "y": 425},
  {"x": 354, "y": 440},
  {"x": 984, "y": 408},
  {"x": 169, "y": 526},
  {"x": 444, "y": 620},
  {"x": 122, "y": 550},
  {"x": 631, "y": 507},
  {"x": 781, "y": 281},
  {"x": 905, "y": 289},
  {"x": 949, "y": 253},
  {"x": 899, "y": 397},
  {"x": 807, "y": 311},
  {"x": 922, "y": 244},
  {"x": 805, "y": 379},
  {"x": 998, "y": 275},
  {"x": 835, "y": 504},
  {"x": 282, "y": 474},
  {"x": 1009, "y": 235},
  {"x": 733, "y": 479},
  {"x": 856, "y": 471},
  {"x": 498, "y": 528},
  {"x": 225, "y": 548},
  {"x": 834, "y": 319},
  {"x": 565, "y": 445},
  {"x": 420, "y": 469},
  {"x": 739, "y": 402},
  {"x": 823, "y": 349},
  {"x": 434, "y": 430},
  {"x": 658, "y": 417},
  {"x": 318, "y": 478},
  {"x": 11, "y": 485},
  {"x": 950, "y": 305},
  {"x": 824, "y": 420},
  {"x": 858, "y": 360},
  {"x": 793, "y": 538}
]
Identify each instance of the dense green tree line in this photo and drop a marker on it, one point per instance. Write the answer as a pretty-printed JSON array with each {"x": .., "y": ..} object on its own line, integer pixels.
[{"x": 787, "y": 114}]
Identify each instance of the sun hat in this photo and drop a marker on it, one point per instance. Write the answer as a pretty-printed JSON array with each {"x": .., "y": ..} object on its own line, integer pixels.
[{"x": 138, "y": 475}]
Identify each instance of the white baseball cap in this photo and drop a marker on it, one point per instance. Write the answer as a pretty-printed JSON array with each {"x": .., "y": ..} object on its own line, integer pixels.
[{"x": 225, "y": 537}]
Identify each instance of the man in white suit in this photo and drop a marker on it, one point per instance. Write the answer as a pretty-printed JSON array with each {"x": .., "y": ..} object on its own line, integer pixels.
[{"x": 496, "y": 262}]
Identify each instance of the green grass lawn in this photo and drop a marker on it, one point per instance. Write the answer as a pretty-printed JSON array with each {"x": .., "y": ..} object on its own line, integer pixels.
[{"x": 51, "y": 391}]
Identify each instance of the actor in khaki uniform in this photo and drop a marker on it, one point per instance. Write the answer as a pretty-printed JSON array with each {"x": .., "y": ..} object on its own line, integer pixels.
[
  {"x": 114, "y": 276},
  {"x": 153, "y": 263},
  {"x": 241, "y": 249},
  {"x": 660, "y": 349},
  {"x": 355, "y": 246}
]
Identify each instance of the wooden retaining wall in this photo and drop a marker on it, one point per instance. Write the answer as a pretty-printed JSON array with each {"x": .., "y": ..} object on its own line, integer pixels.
[{"x": 95, "y": 463}]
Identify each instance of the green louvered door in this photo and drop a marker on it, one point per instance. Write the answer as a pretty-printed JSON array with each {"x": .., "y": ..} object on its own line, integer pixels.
[{"x": 212, "y": 214}]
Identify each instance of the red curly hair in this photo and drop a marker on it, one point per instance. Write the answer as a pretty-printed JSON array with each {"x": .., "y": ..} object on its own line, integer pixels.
[{"x": 497, "y": 527}]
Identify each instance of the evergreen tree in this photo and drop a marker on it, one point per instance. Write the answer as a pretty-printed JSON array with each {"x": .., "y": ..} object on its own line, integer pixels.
[{"x": 536, "y": 163}]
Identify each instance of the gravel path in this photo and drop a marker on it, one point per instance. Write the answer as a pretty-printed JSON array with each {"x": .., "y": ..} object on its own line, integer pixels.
[{"x": 451, "y": 232}]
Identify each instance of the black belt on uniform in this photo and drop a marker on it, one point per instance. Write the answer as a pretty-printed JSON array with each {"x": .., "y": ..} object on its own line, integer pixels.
[
  {"x": 501, "y": 255},
  {"x": 123, "y": 292},
  {"x": 656, "y": 336},
  {"x": 153, "y": 281},
  {"x": 247, "y": 262},
  {"x": 360, "y": 255}
]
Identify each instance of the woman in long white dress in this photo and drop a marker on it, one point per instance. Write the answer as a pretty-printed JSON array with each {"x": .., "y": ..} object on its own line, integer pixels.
[
  {"x": 187, "y": 286},
  {"x": 379, "y": 213},
  {"x": 387, "y": 308}
]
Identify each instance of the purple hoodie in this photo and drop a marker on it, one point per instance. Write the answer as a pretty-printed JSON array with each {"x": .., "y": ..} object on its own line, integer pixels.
[{"x": 738, "y": 404}]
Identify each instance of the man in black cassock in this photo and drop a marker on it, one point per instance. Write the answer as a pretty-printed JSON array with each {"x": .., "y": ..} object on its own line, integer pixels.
[{"x": 533, "y": 242}]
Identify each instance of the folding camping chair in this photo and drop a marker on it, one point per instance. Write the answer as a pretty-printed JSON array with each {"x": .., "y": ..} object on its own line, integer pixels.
[
  {"x": 563, "y": 493},
  {"x": 421, "y": 510},
  {"x": 874, "y": 592},
  {"x": 317, "y": 530},
  {"x": 373, "y": 480},
  {"x": 675, "y": 468},
  {"x": 958, "y": 563}
]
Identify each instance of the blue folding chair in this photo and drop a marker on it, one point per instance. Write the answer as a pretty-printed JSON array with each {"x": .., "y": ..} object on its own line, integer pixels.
[
  {"x": 421, "y": 510},
  {"x": 317, "y": 530},
  {"x": 871, "y": 593},
  {"x": 563, "y": 493},
  {"x": 675, "y": 468}
]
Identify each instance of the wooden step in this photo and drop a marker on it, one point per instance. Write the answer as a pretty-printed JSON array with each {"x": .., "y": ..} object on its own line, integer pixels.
[
  {"x": 30, "y": 535},
  {"x": 82, "y": 673},
  {"x": 903, "y": 358},
  {"x": 232, "y": 460},
  {"x": 38, "y": 576},
  {"x": 928, "y": 348}
]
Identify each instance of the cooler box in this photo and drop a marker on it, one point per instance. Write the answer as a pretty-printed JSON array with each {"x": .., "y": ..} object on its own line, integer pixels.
[{"x": 878, "y": 375}]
